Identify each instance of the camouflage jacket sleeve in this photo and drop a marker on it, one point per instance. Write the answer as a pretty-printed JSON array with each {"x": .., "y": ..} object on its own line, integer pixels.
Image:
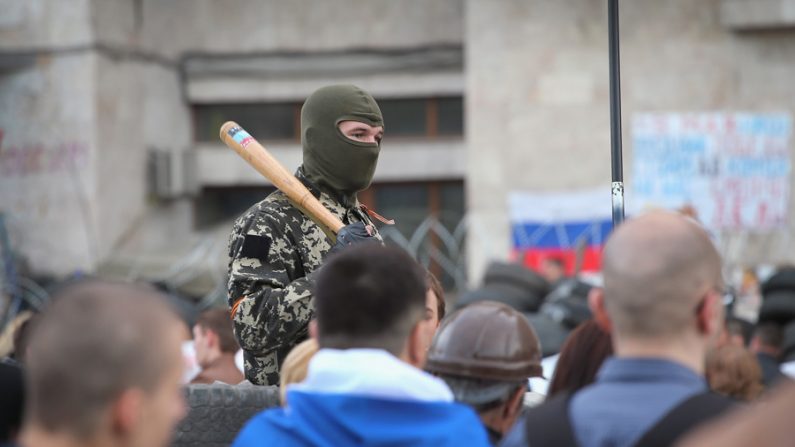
[
  {"x": 269, "y": 291},
  {"x": 274, "y": 251}
]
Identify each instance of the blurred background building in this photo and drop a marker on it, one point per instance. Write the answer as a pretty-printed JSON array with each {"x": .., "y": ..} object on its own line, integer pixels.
[{"x": 110, "y": 161}]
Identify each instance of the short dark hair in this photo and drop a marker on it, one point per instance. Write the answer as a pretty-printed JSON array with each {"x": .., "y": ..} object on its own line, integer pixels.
[
  {"x": 96, "y": 340},
  {"x": 770, "y": 334},
  {"x": 218, "y": 321},
  {"x": 369, "y": 296},
  {"x": 436, "y": 287}
]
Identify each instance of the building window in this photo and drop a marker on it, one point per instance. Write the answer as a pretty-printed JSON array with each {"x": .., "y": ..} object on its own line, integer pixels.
[
  {"x": 405, "y": 117},
  {"x": 425, "y": 118},
  {"x": 220, "y": 205},
  {"x": 451, "y": 116},
  {"x": 273, "y": 121}
]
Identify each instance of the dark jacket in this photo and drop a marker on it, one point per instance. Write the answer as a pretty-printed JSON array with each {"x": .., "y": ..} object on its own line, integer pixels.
[{"x": 273, "y": 250}]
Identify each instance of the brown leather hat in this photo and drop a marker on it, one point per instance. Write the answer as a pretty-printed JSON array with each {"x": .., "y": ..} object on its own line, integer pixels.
[{"x": 486, "y": 340}]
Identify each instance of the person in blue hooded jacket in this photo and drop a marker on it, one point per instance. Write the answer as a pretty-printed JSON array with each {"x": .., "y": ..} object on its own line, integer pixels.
[{"x": 364, "y": 386}]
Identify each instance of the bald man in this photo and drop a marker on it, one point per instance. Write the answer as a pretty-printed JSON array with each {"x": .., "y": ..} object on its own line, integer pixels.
[
  {"x": 662, "y": 303},
  {"x": 104, "y": 369}
]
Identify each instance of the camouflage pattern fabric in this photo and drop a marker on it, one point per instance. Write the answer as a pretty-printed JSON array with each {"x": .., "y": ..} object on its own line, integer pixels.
[{"x": 274, "y": 250}]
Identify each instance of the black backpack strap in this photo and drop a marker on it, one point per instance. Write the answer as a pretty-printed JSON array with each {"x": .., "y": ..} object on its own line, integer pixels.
[
  {"x": 548, "y": 424},
  {"x": 682, "y": 418}
]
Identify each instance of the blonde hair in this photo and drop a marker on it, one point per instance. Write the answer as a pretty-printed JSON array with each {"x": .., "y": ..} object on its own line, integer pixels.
[
  {"x": 296, "y": 366},
  {"x": 7, "y": 336}
]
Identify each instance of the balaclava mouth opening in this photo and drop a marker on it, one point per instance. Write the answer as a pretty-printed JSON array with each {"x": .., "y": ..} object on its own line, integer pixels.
[{"x": 331, "y": 160}]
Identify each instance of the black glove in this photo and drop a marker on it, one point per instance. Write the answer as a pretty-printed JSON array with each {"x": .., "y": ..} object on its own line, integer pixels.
[{"x": 355, "y": 233}]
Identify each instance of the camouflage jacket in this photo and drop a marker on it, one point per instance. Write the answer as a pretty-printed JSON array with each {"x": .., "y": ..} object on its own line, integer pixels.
[{"x": 274, "y": 249}]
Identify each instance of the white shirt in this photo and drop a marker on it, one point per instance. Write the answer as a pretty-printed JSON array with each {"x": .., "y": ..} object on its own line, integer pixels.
[
  {"x": 548, "y": 365},
  {"x": 370, "y": 372},
  {"x": 788, "y": 369}
]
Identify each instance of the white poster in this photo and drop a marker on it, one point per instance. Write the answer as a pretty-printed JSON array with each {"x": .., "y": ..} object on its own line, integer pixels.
[{"x": 732, "y": 168}]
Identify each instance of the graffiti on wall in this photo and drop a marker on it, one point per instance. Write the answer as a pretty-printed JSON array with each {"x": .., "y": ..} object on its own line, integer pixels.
[
  {"x": 41, "y": 181},
  {"x": 45, "y": 200},
  {"x": 41, "y": 158}
]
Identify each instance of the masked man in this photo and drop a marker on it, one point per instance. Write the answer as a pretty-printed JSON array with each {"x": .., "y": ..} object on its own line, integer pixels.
[{"x": 275, "y": 249}]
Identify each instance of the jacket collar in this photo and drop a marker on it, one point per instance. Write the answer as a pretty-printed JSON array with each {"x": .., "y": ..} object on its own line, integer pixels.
[
  {"x": 372, "y": 373},
  {"x": 319, "y": 192}
]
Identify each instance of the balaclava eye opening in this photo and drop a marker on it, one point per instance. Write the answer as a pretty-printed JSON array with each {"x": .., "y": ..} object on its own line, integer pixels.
[{"x": 331, "y": 160}]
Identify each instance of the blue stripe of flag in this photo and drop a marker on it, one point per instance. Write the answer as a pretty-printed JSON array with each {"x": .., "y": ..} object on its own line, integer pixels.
[{"x": 561, "y": 235}]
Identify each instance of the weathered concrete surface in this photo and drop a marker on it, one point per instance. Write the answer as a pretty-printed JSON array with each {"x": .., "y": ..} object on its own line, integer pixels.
[
  {"x": 92, "y": 85},
  {"x": 758, "y": 14},
  {"x": 243, "y": 26},
  {"x": 47, "y": 162},
  {"x": 34, "y": 24},
  {"x": 537, "y": 97}
]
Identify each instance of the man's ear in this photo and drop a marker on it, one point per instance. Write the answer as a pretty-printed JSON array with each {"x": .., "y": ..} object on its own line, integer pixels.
[
  {"x": 514, "y": 406},
  {"x": 709, "y": 316},
  {"x": 313, "y": 329},
  {"x": 213, "y": 340},
  {"x": 126, "y": 411},
  {"x": 596, "y": 301},
  {"x": 415, "y": 351}
]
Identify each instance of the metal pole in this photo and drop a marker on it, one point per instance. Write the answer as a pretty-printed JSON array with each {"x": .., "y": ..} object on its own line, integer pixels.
[{"x": 617, "y": 168}]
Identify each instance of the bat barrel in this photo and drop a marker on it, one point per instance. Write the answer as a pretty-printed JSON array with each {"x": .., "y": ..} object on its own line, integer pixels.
[{"x": 260, "y": 159}]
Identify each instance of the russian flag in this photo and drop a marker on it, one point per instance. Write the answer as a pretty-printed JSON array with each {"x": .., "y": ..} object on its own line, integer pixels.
[{"x": 558, "y": 225}]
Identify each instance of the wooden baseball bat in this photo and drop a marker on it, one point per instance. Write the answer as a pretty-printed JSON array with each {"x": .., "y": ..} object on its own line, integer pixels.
[{"x": 257, "y": 156}]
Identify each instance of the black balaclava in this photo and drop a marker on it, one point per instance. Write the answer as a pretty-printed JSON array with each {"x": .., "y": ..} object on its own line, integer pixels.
[{"x": 331, "y": 160}]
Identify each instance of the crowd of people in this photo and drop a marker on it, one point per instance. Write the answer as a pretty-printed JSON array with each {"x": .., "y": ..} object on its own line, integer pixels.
[
  {"x": 103, "y": 364},
  {"x": 358, "y": 339}
]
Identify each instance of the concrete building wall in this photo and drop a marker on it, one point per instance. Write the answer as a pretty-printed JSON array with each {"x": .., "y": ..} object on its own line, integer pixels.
[
  {"x": 284, "y": 51},
  {"x": 104, "y": 79},
  {"x": 80, "y": 107},
  {"x": 121, "y": 150},
  {"x": 47, "y": 161},
  {"x": 107, "y": 81},
  {"x": 537, "y": 91},
  {"x": 536, "y": 109},
  {"x": 251, "y": 26},
  {"x": 44, "y": 23}
]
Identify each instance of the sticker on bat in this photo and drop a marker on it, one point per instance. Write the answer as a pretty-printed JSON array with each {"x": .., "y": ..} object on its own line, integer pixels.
[{"x": 240, "y": 136}]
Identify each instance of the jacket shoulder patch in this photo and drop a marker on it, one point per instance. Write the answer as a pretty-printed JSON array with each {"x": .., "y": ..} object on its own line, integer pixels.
[{"x": 255, "y": 246}]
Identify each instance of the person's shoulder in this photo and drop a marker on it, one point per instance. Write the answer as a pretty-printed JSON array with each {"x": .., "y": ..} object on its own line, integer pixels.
[
  {"x": 260, "y": 427},
  {"x": 427, "y": 423},
  {"x": 546, "y": 424},
  {"x": 277, "y": 201},
  {"x": 470, "y": 428},
  {"x": 273, "y": 209},
  {"x": 454, "y": 424},
  {"x": 515, "y": 436},
  {"x": 201, "y": 379}
]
